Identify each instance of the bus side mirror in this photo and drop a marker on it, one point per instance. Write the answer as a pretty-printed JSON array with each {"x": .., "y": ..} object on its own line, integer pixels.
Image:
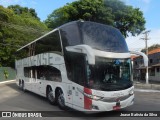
[
  {"x": 145, "y": 58},
  {"x": 83, "y": 49}
]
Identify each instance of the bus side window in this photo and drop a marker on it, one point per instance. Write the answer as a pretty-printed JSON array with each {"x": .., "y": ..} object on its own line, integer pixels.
[
  {"x": 48, "y": 73},
  {"x": 48, "y": 43},
  {"x": 34, "y": 72},
  {"x": 41, "y": 72},
  {"x": 27, "y": 72},
  {"x": 55, "y": 74}
]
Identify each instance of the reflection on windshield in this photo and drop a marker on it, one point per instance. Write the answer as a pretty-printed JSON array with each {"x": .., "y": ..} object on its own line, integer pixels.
[
  {"x": 109, "y": 74},
  {"x": 103, "y": 37}
]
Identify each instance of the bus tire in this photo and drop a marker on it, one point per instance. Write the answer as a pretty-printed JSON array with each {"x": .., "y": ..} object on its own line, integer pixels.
[
  {"x": 61, "y": 99},
  {"x": 50, "y": 96},
  {"x": 22, "y": 85}
]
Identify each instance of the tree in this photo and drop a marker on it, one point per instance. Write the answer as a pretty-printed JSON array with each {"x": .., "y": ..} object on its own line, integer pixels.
[
  {"x": 17, "y": 9},
  {"x": 83, "y": 9},
  {"x": 112, "y": 12},
  {"x": 16, "y": 30},
  {"x": 152, "y": 47},
  {"x": 126, "y": 18}
]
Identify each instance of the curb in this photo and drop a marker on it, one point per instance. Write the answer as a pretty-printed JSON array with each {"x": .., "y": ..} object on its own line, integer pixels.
[
  {"x": 146, "y": 90},
  {"x": 7, "y": 81},
  {"x": 147, "y": 86}
]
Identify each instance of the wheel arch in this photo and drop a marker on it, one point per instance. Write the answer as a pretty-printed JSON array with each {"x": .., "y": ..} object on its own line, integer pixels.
[
  {"x": 55, "y": 89},
  {"x": 60, "y": 87}
]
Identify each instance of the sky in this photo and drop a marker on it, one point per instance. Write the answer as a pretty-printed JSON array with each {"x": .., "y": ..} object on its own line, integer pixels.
[{"x": 150, "y": 9}]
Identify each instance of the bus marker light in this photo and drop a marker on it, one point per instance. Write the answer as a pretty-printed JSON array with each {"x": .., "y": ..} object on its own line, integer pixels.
[{"x": 116, "y": 107}]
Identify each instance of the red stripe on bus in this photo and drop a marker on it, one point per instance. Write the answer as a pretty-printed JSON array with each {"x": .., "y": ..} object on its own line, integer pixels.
[{"x": 87, "y": 101}]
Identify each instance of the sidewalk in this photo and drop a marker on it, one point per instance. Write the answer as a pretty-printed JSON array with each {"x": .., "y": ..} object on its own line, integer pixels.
[
  {"x": 142, "y": 85},
  {"x": 7, "y": 81}
]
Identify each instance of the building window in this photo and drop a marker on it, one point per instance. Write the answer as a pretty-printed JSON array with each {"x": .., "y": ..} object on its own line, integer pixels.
[
  {"x": 152, "y": 73},
  {"x": 135, "y": 62},
  {"x": 151, "y": 60},
  {"x": 158, "y": 69}
]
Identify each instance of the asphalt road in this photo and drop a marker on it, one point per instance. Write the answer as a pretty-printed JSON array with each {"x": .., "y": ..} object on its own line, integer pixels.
[{"x": 13, "y": 99}]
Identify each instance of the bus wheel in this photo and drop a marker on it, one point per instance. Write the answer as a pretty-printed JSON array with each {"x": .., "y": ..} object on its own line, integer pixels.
[
  {"x": 50, "y": 96},
  {"x": 61, "y": 100},
  {"x": 22, "y": 86}
]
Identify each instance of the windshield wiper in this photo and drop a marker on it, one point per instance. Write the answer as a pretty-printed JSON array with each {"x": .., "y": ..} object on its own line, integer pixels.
[{"x": 96, "y": 48}]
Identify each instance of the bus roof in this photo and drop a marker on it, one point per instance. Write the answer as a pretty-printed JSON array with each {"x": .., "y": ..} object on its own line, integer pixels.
[
  {"x": 49, "y": 33},
  {"x": 81, "y": 23}
]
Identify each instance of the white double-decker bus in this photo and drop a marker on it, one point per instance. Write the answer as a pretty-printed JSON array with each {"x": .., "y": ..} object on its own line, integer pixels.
[{"x": 83, "y": 65}]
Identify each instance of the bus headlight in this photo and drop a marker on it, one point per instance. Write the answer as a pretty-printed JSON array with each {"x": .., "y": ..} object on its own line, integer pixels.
[
  {"x": 94, "y": 97},
  {"x": 131, "y": 92}
]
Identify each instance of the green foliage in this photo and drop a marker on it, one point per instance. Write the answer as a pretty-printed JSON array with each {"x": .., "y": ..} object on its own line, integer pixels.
[
  {"x": 83, "y": 9},
  {"x": 23, "y": 11},
  {"x": 126, "y": 18},
  {"x": 112, "y": 12},
  {"x": 6, "y": 74},
  {"x": 17, "y": 30}
]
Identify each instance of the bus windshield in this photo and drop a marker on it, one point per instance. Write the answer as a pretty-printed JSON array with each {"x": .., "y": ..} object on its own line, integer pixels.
[
  {"x": 98, "y": 36},
  {"x": 109, "y": 74},
  {"x": 103, "y": 37}
]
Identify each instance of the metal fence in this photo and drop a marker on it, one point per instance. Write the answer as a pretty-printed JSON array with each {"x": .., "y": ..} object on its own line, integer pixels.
[{"x": 7, "y": 73}]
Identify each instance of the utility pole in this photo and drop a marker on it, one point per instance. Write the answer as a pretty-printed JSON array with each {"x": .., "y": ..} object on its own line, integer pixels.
[{"x": 146, "y": 33}]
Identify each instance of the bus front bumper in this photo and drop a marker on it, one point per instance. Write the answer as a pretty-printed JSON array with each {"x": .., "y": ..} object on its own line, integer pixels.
[{"x": 110, "y": 106}]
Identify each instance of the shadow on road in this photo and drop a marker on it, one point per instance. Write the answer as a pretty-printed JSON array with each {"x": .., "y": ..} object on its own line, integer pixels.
[
  {"x": 74, "y": 113},
  {"x": 13, "y": 85}
]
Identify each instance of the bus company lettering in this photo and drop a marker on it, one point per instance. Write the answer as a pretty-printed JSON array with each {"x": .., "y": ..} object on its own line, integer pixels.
[{"x": 40, "y": 59}]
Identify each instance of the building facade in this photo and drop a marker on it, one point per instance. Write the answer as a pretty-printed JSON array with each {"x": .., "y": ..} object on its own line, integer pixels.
[{"x": 153, "y": 66}]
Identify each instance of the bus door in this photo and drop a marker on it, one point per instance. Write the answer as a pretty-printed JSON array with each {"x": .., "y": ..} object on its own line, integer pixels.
[
  {"x": 69, "y": 95},
  {"x": 77, "y": 97},
  {"x": 78, "y": 78}
]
